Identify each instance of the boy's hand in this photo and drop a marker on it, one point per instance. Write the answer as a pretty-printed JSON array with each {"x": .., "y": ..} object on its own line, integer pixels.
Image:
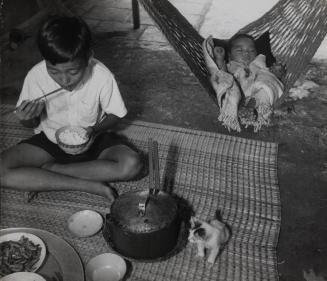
[
  {"x": 28, "y": 110},
  {"x": 90, "y": 132}
]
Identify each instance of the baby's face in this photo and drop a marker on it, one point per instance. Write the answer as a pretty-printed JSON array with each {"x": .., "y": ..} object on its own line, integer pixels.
[
  {"x": 243, "y": 51},
  {"x": 67, "y": 74}
]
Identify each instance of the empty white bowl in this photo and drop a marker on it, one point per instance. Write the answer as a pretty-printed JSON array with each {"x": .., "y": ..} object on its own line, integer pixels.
[
  {"x": 85, "y": 223},
  {"x": 105, "y": 267}
]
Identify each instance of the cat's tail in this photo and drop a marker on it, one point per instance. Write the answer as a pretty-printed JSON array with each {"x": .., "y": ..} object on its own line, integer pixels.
[{"x": 218, "y": 215}]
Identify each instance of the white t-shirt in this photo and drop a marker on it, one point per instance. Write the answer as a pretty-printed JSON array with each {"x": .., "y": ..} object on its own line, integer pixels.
[{"x": 97, "y": 94}]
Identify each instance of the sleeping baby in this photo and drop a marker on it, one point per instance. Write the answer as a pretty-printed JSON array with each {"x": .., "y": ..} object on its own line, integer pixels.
[{"x": 245, "y": 74}]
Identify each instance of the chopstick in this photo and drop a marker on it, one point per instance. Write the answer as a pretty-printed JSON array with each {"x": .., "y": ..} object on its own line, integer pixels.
[
  {"x": 153, "y": 167},
  {"x": 151, "y": 179},
  {"x": 156, "y": 166},
  {"x": 37, "y": 99},
  {"x": 48, "y": 94}
]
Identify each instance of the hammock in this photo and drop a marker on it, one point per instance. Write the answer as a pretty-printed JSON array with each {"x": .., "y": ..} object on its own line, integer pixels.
[{"x": 297, "y": 28}]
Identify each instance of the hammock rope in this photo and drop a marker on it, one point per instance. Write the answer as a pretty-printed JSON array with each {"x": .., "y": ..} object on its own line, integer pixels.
[{"x": 297, "y": 28}]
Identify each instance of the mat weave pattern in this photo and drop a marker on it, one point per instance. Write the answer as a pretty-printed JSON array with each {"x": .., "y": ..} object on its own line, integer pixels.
[{"x": 211, "y": 171}]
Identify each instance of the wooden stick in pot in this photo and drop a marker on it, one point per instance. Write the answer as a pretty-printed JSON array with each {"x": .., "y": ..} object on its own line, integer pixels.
[
  {"x": 154, "y": 176},
  {"x": 156, "y": 167},
  {"x": 151, "y": 179}
]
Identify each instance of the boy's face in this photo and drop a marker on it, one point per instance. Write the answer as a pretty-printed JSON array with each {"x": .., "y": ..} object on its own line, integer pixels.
[
  {"x": 243, "y": 51},
  {"x": 67, "y": 74}
]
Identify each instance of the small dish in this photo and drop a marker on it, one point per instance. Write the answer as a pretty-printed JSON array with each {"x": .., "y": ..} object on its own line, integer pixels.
[
  {"x": 105, "y": 267},
  {"x": 85, "y": 223},
  {"x": 26, "y": 276},
  {"x": 31, "y": 238}
]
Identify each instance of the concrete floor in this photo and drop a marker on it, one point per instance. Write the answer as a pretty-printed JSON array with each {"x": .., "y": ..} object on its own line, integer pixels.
[{"x": 155, "y": 83}]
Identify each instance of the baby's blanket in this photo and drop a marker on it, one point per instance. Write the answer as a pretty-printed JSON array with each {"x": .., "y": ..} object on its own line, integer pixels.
[
  {"x": 257, "y": 77},
  {"x": 255, "y": 81}
]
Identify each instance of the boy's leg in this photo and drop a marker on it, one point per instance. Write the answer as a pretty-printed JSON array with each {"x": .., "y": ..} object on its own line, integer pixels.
[
  {"x": 118, "y": 162},
  {"x": 21, "y": 168}
]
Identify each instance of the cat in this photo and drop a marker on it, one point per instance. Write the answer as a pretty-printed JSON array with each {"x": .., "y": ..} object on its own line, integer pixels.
[{"x": 209, "y": 236}]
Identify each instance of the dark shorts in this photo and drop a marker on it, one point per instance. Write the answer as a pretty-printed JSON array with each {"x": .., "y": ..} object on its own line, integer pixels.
[{"x": 103, "y": 141}]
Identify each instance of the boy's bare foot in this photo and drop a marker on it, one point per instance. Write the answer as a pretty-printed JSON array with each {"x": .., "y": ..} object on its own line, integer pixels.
[
  {"x": 109, "y": 192},
  {"x": 29, "y": 196}
]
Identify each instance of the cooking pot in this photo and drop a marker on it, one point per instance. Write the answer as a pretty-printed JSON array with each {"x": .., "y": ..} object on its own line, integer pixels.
[
  {"x": 144, "y": 224},
  {"x": 140, "y": 234}
]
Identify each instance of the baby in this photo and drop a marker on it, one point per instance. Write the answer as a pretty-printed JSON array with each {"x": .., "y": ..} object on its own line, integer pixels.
[{"x": 245, "y": 73}]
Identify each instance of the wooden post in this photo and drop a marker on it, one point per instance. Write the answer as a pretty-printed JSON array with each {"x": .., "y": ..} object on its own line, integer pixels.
[{"x": 136, "y": 14}]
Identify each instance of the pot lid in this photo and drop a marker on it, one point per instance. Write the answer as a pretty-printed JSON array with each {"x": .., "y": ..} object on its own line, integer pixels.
[{"x": 160, "y": 211}]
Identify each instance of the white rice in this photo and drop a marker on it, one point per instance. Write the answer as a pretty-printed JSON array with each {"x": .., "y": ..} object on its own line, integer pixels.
[{"x": 73, "y": 136}]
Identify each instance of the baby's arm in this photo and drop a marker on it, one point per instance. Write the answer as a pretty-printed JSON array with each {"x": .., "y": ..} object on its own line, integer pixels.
[
  {"x": 278, "y": 69},
  {"x": 219, "y": 55}
]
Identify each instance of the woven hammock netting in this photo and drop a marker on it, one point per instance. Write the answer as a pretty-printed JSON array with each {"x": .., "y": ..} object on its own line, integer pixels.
[{"x": 297, "y": 28}]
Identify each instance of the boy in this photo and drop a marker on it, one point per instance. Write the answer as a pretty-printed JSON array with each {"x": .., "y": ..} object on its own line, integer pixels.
[
  {"x": 89, "y": 98},
  {"x": 258, "y": 83}
]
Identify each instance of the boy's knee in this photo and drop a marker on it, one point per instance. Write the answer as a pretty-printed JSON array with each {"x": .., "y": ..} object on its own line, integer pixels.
[{"x": 132, "y": 166}]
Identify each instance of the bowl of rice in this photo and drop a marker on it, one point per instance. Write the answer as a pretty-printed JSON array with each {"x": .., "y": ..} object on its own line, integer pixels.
[{"x": 73, "y": 139}]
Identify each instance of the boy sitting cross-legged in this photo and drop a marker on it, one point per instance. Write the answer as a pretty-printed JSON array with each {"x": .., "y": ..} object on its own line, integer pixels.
[{"x": 89, "y": 98}]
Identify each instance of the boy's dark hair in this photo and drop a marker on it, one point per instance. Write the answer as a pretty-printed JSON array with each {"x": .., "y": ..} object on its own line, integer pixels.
[
  {"x": 61, "y": 39},
  {"x": 236, "y": 37}
]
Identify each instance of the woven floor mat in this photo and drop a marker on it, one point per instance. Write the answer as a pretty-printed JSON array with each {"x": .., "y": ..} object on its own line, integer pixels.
[{"x": 210, "y": 171}]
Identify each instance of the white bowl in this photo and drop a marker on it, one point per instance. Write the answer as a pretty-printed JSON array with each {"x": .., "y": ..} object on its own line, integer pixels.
[
  {"x": 73, "y": 148},
  {"x": 105, "y": 267},
  {"x": 85, "y": 223},
  {"x": 23, "y": 276},
  {"x": 15, "y": 236}
]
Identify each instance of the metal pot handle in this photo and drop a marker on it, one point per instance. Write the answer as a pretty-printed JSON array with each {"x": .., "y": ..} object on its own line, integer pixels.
[{"x": 142, "y": 206}]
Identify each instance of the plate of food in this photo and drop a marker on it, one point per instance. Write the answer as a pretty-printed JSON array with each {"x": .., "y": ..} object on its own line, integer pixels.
[
  {"x": 21, "y": 251},
  {"x": 20, "y": 276},
  {"x": 62, "y": 262}
]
